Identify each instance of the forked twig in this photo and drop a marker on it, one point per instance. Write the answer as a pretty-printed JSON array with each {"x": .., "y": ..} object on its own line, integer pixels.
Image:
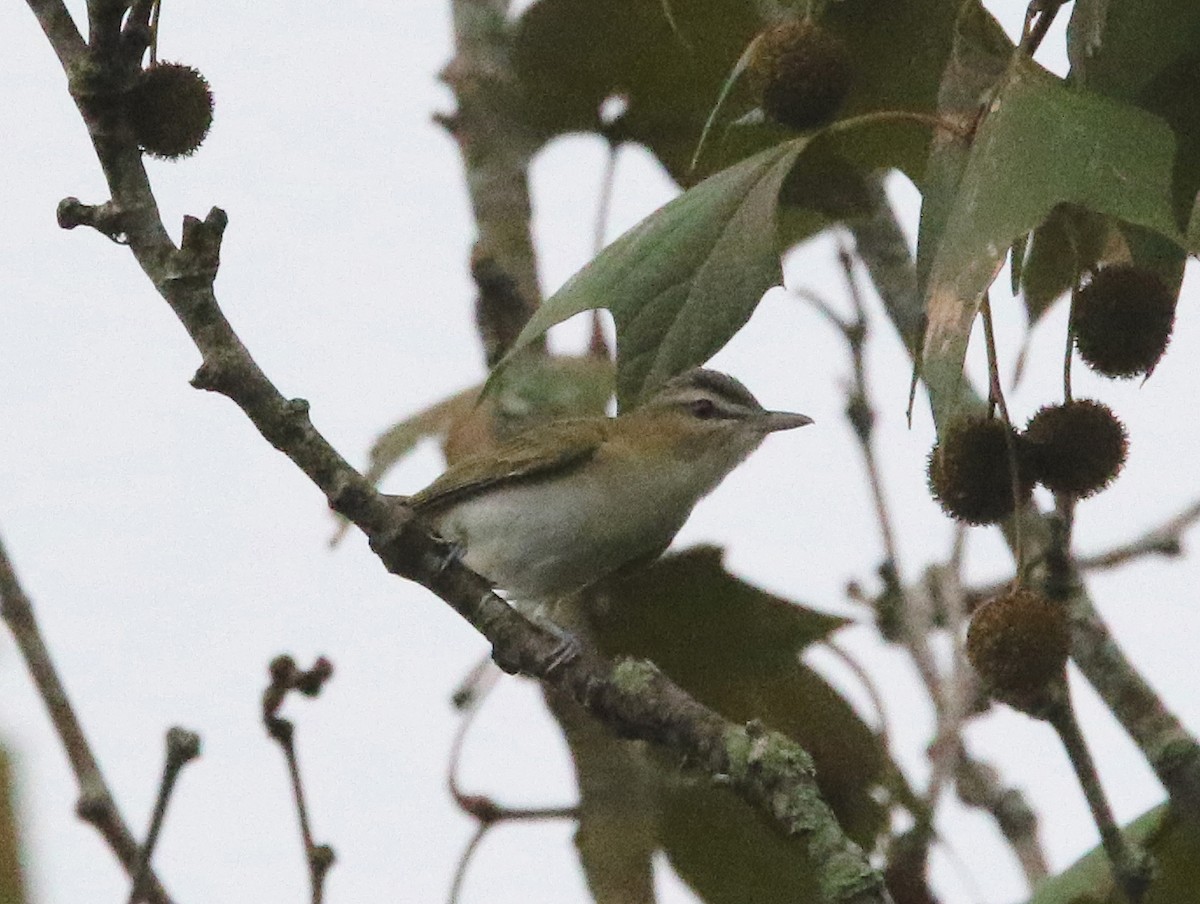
[
  {"x": 287, "y": 677},
  {"x": 183, "y": 746},
  {"x": 483, "y": 809}
]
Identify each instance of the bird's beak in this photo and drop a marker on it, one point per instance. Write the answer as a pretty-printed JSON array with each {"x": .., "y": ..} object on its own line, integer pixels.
[{"x": 784, "y": 420}]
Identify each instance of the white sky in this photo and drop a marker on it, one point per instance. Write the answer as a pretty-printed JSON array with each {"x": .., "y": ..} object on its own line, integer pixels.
[{"x": 171, "y": 552}]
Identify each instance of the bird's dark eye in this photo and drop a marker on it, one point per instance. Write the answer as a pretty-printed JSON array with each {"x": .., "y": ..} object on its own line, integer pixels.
[{"x": 704, "y": 408}]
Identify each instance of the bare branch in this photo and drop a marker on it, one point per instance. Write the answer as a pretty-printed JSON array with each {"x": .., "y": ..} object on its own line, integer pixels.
[
  {"x": 1171, "y": 751},
  {"x": 978, "y": 785},
  {"x": 96, "y": 805},
  {"x": 495, "y": 144},
  {"x": 60, "y": 30},
  {"x": 285, "y": 678},
  {"x": 183, "y": 746},
  {"x": 1164, "y": 540},
  {"x": 769, "y": 771},
  {"x": 1130, "y": 865}
]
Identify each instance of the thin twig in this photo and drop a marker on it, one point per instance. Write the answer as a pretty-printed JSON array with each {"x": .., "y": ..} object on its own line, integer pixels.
[
  {"x": 869, "y": 686},
  {"x": 978, "y": 785},
  {"x": 96, "y": 805},
  {"x": 608, "y": 182},
  {"x": 1164, "y": 540},
  {"x": 916, "y": 617},
  {"x": 483, "y": 809},
  {"x": 769, "y": 771},
  {"x": 996, "y": 396},
  {"x": 155, "y": 13},
  {"x": 468, "y": 854},
  {"x": 917, "y": 608},
  {"x": 1130, "y": 865},
  {"x": 1038, "y": 18},
  {"x": 183, "y": 746},
  {"x": 1167, "y": 745},
  {"x": 286, "y": 677},
  {"x": 859, "y": 410},
  {"x": 1069, "y": 344},
  {"x": 961, "y": 687}
]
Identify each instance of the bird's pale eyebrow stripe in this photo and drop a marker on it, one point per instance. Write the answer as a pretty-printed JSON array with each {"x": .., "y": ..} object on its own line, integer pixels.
[{"x": 723, "y": 387}]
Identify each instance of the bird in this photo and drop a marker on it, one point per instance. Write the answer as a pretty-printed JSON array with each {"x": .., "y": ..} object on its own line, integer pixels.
[{"x": 567, "y": 503}]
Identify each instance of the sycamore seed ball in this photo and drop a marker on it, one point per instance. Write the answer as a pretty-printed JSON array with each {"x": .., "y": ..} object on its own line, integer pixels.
[
  {"x": 1122, "y": 319},
  {"x": 1018, "y": 644},
  {"x": 802, "y": 72},
  {"x": 170, "y": 109},
  {"x": 1077, "y": 448},
  {"x": 969, "y": 471}
]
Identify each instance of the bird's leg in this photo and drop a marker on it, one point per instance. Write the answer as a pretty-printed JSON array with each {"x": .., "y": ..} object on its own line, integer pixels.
[{"x": 449, "y": 553}]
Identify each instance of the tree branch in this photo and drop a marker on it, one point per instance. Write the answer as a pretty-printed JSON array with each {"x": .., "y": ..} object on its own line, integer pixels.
[
  {"x": 496, "y": 148},
  {"x": 1171, "y": 751},
  {"x": 95, "y": 805},
  {"x": 60, "y": 30},
  {"x": 633, "y": 698}
]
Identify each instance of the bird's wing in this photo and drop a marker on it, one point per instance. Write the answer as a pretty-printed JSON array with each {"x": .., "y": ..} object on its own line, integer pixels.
[{"x": 524, "y": 457}]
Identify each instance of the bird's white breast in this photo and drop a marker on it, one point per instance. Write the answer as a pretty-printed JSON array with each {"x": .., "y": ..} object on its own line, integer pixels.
[{"x": 544, "y": 539}]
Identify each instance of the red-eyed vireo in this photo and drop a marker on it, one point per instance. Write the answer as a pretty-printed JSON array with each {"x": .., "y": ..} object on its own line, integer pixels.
[{"x": 569, "y": 502}]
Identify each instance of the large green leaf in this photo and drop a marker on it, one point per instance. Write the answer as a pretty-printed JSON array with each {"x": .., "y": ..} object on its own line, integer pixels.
[
  {"x": 685, "y": 279},
  {"x": 682, "y": 282},
  {"x": 571, "y": 55},
  {"x": 735, "y": 647},
  {"x": 1041, "y": 144},
  {"x": 978, "y": 59},
  {"x": 1174, "y": 844},
  {"x": 1146, "y": 52},
  {"x": 727, "y": 854}
]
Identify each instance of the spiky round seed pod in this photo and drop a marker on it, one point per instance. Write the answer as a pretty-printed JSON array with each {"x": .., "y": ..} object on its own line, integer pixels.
[
  {"x": 170, "y": 109},
  {"x": 1018, "y": 643},
  {"x": 1122, "y": 320},
  {"x": 969, "y": 473},
  {"x": 801, "y": 72},
  {"x": 1077, "y": 448}
]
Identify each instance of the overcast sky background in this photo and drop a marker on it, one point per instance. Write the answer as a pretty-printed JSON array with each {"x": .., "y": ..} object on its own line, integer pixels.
[{"x": 171, "y": 552}]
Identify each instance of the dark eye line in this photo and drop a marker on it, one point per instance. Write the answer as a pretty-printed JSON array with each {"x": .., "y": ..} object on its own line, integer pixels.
[{"x": 703, "y": 408}]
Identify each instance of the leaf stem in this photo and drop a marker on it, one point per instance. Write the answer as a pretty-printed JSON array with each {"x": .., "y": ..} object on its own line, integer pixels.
[{"x": 996, "y": 397}]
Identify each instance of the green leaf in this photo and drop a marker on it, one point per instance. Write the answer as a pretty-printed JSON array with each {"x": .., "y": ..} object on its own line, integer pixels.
[
  {"x": 1174, "y": 843},
  {"x": 682, "y": 282},
  {"x": 977, "y": 62},
  {"x": 726, "y": 853},
  {"x": 535, "y": 389},
  {"x": 570, "y": 55},
  {"x": 1147, "y": 54},
  {"x": 393, "y": 445},
  {"x": 687, "y": 610},
  {"x": 1070, "y": 241},
  {"x": 735, "y": 647},
  {"x": 685, "y": 279},
  {"x": 617, "y": 832},
  {"x": 1041, "y": 144}
]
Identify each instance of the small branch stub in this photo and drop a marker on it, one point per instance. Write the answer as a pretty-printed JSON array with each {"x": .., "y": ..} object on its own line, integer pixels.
[{"x": 106, "y": 218}]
